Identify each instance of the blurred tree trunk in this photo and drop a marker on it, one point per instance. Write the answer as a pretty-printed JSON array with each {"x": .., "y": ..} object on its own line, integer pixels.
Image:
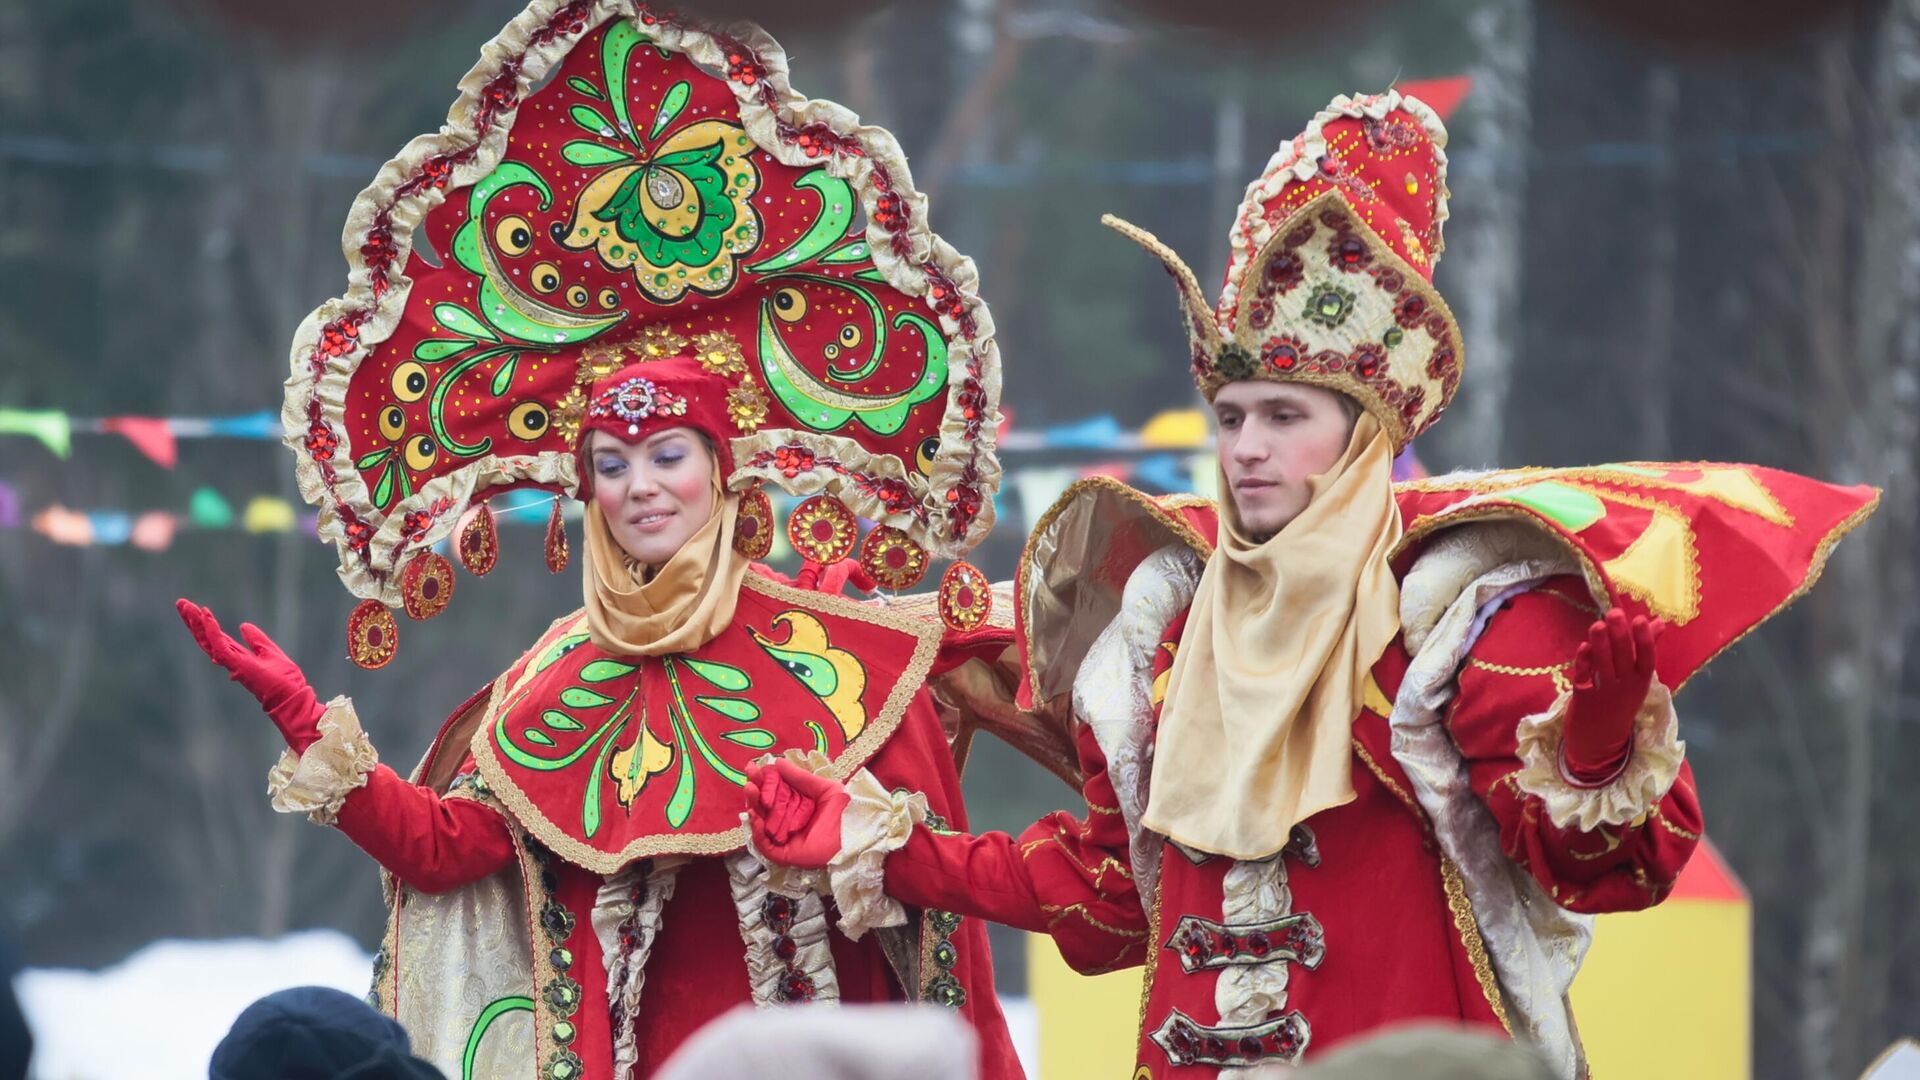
[
  {"x": 1489, "y": 179},
  {"x": 1653, "y": 379},
  {"x": 1863, "y": 339}
]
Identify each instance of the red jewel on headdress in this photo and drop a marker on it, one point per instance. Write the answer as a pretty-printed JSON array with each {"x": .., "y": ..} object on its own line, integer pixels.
[
  {"x": 636, "y": 400},
  {"x": 372, "y": 635},
  {"x": 427, "y": 585}
]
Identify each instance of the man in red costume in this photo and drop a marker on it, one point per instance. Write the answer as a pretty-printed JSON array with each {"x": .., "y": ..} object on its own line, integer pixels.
[{"x": 1353, "y": 754}]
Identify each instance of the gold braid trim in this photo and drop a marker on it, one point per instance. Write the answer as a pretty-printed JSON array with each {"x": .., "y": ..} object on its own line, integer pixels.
[
  {"x": 1095, "y": 871},
  {"x": 1670, "y": 826},
  {"x": 1153, "y": 960},
  {"x": 1058, "y": 912},
  {"x": 1388, "y": 782},
  {"x": 1503, "y": 669},
  {"x": 1469, "y": 929}
]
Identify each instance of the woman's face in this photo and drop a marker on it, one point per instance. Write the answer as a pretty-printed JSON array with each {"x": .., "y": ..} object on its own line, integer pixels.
[{"x": 655, "y": 493}]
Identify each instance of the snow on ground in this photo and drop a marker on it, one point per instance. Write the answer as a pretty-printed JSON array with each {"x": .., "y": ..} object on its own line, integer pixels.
[{"x": 159, "y": 1013}]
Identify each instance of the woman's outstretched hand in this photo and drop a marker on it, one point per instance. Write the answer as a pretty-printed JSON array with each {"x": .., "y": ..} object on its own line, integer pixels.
[
  {"x": 266, "y": 672},
  {"x": 795, "y": 814}
]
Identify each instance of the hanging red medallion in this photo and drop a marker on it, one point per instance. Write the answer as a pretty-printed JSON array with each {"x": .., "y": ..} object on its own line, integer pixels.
[
  {"x": 427, "y": 586},
  {"x": 894, "y": 560},
  {"x": 372, "y": 635},
  {"x": 753, "y": 528},
  {"x": 966, "y": 597},
  {"x": 822, "y": 530},
  {"x": 556, "y": 541},
  {"x": 479, "y": 543}
]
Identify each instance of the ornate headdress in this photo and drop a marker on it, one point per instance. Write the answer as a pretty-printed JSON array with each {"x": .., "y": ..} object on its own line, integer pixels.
[
  {"x": 662, "y": 193},
  {"x": 1330, "y": 280}
]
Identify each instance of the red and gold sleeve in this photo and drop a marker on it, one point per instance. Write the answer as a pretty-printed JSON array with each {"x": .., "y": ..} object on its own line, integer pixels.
[
  {"x": 431, "y": 842},
  {"x": 1063, "y": 876},
  {"x": 1617, "y": 847}
]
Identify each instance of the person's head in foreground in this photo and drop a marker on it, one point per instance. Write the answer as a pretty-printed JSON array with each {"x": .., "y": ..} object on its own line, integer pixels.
[
  {"x": 1428, "y": 1052},
  {"x": 316, "y": 1033},
  {"x": 856, "y": 1042}
]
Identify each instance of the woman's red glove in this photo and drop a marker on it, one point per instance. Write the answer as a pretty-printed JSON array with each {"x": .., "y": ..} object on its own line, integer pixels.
[
  {"x": 1612, "y": 671},
  {"x": 266, "y": 672},
  {"x": 795, "y": 814}
]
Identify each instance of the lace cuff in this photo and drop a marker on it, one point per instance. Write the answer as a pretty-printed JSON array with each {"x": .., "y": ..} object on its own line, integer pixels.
[
  {"x": 1653, "y": 763},
  {"x": 316, "y": 783},
  {"x": 876, "y": 823}
]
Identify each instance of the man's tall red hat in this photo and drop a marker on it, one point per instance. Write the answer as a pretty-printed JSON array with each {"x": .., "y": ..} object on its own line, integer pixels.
[{"x": 1330, "y": 281}]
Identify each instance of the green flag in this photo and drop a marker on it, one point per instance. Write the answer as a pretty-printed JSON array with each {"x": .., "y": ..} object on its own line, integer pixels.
[
  {"x": 207, "y": 510},
  {"x": 49, "y": 426}
]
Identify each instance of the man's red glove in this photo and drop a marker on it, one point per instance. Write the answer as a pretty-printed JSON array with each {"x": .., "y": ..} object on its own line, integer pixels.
[
  {"x": 1612, "y": 671},
  {"x": 795, "y": 814},
  {"x": 266, "y": 672}
]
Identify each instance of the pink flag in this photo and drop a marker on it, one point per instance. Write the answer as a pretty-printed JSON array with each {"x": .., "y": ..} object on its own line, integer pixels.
[
  {"x": 153, "y": 531},
  {"x": 151, "y": 435}
]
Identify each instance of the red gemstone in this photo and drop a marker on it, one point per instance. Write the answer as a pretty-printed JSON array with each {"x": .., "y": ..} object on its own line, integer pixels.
[
  {"x": 374, "y": 636},
  {"x": 964, "y": 597},
  {"x": 823, "y": 531},
  {"x": 896, "y": 558},
  {"x": 430, "y": 588}
]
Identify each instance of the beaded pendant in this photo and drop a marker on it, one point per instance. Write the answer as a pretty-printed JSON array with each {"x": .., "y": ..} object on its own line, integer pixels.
[
  {"x": 479, "y": 543},
  {"x": 753, "y": 527},
  {"x": 822, "y": 530},
  {"x": 966, "y": 597},
  {"x": 372, "y": 635},
  {"x": 893, "y": 559},
  {"x": 556, "y": 540},
  {"x": 427, "y": 586}
]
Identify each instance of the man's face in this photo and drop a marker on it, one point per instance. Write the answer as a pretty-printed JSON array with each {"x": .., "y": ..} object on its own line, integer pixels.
[{"x": 1273, "y": 436}]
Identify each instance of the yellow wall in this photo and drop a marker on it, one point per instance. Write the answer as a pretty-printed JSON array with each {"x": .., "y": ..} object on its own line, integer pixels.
[
  {"x": 1667, "y": 992},
  {"x": 1088, "y": 1024},
  {"x": 1663, "y": 993}
]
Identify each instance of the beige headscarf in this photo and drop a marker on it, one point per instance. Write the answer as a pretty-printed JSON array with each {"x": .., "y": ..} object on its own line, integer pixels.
[
  {"x": 637, "y": 610},
  {"x": 1256, "y": 731}
]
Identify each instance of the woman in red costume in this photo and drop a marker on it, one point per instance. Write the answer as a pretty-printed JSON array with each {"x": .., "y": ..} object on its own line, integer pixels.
[{"x": 631, "y": 269}]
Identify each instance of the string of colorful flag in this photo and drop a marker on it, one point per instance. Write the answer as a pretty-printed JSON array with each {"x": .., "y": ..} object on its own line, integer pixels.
[
  {"x": 157, "y": 437},
  {"x": 1169, "y": 453}
]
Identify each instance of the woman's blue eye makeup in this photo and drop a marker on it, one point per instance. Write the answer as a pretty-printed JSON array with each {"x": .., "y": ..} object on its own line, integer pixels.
[{"x": 608, "y": 466}]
